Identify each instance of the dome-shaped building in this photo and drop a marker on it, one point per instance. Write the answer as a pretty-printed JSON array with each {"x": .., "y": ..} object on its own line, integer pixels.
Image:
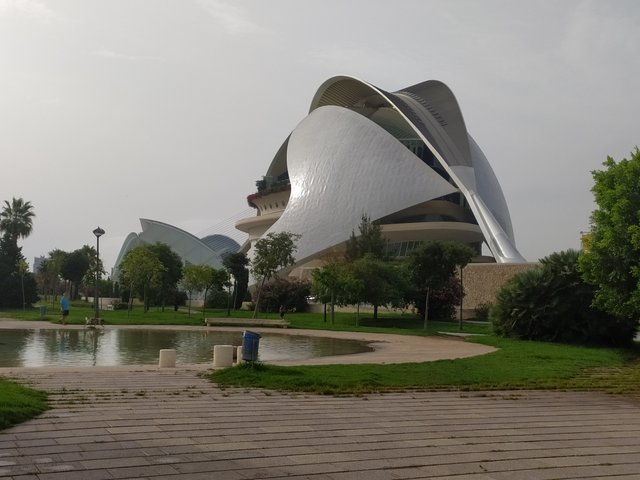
[
  {"x": 404, "y": 159},
  {"x": 210, "y": 250}
]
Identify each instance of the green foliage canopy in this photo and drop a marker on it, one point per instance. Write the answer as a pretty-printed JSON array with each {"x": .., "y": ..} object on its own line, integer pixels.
[
  {"x": 17, "y": 286},
  {"x": 236, "y": 264},
  {"x": 553, "y": 303},
  {"x": 202, "y": 278},
  {"x": 167, "y": 283},
  {"x": 16, "y": 218},
  {"x": 141, "y": 268},
  {"x": 272, "y": 253},
  {"x": 74, "y": 267},
  {"x": 612, "y": 261},
  {"x": 369, "y": 241},
  {"x": 433, "y": 264}
]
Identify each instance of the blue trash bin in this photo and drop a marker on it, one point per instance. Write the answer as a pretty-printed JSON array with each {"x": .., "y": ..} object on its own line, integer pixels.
[
  {"x": 43, "y": 310},
  {"x": 250, "y": 344}
]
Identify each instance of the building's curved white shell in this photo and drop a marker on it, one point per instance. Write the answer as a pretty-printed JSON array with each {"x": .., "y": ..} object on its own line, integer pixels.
[
  {"x": 342, "y": 166},
  {"x": 192, "y": 250},
  {"x": 347, "y": 159},
  {"x": 189, "y": 247}
]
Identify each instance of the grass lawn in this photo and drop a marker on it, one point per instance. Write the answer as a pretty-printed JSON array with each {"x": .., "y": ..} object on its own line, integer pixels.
[
  {"x": 18, "y": 403},
  {"x": 516, "y": 365},
  {"x": 388, "y": 322}
]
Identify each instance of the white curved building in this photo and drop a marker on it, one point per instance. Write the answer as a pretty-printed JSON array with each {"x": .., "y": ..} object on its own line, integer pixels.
[
  {"x": 210, "y": 250},
  {"x": 405, "y": 159}
]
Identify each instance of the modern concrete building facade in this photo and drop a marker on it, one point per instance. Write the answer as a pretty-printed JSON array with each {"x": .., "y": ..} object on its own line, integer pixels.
[
  {"x": 405, "y": 159},
  {"x": 209, "y": 250}
]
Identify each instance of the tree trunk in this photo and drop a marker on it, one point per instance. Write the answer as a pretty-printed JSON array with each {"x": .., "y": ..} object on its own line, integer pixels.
[
  {"x": 358, "y": 314},
  {"x": 426, "y": 308},
  {"x": 204, "y": 303},
  {"x": 24, "y": 303},
  {"x": 255, "y": 310},
  {"x": 229, "y": 297},
  {"x": 130, "y": 303},
  {"x": 375, "y": 311},
  {"x": 333, "y": 308},
  {"x": 235, "y": 293}
]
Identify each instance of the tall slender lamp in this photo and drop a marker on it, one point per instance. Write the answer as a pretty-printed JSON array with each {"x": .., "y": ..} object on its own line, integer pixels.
[{"x": 98, "y": 232}]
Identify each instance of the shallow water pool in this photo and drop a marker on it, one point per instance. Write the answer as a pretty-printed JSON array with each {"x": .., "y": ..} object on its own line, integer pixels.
[{"x": 114, "y": 347}]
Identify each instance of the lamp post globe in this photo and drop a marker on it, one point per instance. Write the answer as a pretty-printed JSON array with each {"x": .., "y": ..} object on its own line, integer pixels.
[{"x": 98, "y": 232}]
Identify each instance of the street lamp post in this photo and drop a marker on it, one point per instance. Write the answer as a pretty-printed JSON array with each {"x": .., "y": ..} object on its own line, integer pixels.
[{"x": 98, "y": 232}]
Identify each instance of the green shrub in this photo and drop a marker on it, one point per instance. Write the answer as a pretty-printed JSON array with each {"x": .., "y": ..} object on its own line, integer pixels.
[
  {"x": 553, "y": 303},
  {"x": 442, "y": 302},
  {"x": 292, "y": 294},
  {"x": 218, "y": 299},
  {"x": 482, "y": 311}
]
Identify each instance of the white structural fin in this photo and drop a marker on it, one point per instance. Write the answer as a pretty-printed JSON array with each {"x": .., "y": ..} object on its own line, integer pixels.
[{"x": 342, "y": 166}]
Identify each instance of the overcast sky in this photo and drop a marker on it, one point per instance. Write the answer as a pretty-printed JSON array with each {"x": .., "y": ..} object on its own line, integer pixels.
[{"x": 171, "y": 109}]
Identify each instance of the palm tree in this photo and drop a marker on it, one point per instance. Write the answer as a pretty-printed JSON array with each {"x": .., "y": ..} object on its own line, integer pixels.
[{"x": 16, "y": 218}]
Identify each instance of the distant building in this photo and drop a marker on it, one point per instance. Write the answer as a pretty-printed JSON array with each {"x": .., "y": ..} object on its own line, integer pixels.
[
  {"x": 37, "y": 261},
  {"x": 210, "y": 250},
  {"x": 405, "y": 159}
]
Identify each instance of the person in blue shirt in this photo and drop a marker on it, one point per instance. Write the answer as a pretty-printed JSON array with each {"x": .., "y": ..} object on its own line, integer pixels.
[{"x": 64, "y": 308}]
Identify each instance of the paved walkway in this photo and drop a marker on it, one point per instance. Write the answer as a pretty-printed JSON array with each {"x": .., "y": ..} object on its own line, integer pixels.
[{"x": 120, "y": 423}]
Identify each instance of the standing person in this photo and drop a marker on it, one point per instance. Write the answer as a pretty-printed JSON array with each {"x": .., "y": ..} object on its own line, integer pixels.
[
  {"x": 282, "y": 310},
  {"x": 64, "y": 308}
]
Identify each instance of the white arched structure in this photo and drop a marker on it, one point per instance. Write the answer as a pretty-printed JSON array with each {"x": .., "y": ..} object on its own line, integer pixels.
[
  {"x": 405, "y": 159},
  {"x": 192, "y": 250}
]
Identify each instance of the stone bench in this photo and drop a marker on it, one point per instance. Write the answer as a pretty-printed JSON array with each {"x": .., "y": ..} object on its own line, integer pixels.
[{"x": 246, "y": 322}]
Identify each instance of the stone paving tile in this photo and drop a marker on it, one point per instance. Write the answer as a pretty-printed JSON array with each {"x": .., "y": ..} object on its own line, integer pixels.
[
  {"x": 75, "y": 475},
  {"x": 159, "y": 424}
]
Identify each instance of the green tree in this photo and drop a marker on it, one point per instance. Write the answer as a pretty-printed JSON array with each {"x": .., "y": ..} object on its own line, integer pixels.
[
  {"x": 12, "y": 278},
  {"x": 95, "y": 266},
  {"x": 73, "y": 269},
  {"x": 612, "y": 260},
  {"x": 291, "y": 294},
  {"x": 327, "y": 283},
  {"x": 17, "y": 286},
  {"x": 55, "y": 259},
  {"x": 141, "y": 268},
  {"x": 166, "y": 287},
  {"x": 433, "y": 264},
  {"x": 369, "y": 241},
  {"x": 16, "y": 219},
  {"x": 202, "y": 278},
  {"x": 272, "y": 253},
  {"x": 192, "y": 280},
  {"x": 22, "y": 270},
  {"x": 554, "y": 303},
  {"x": 380, "y": 281},
  {"x": 352, "y": 289},
  {"x": 44, "y": 277},
  {"x": 236, "y": 264}
]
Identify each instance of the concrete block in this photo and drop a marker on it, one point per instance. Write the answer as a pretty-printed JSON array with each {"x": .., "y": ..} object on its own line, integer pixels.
[
  {"x": 239, "y": 354},
  {"x": 167, "y": 358},
  {"x": 222, "y": 355}
]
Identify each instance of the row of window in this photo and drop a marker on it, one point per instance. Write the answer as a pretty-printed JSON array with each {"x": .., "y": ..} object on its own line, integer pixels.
[
  {"x": 401, "y": 249},
  {"x": 270, "y": 206}
]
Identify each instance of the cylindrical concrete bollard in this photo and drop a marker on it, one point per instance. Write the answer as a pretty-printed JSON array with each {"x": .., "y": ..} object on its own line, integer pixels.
[
  {"x": 222, "y": 355},
  {"x": 239, "y": 355},
  {"x": 167, "y": 358}
]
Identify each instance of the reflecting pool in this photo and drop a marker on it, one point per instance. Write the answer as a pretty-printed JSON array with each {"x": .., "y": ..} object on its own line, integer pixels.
[{"x": 113, "y": 347}]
